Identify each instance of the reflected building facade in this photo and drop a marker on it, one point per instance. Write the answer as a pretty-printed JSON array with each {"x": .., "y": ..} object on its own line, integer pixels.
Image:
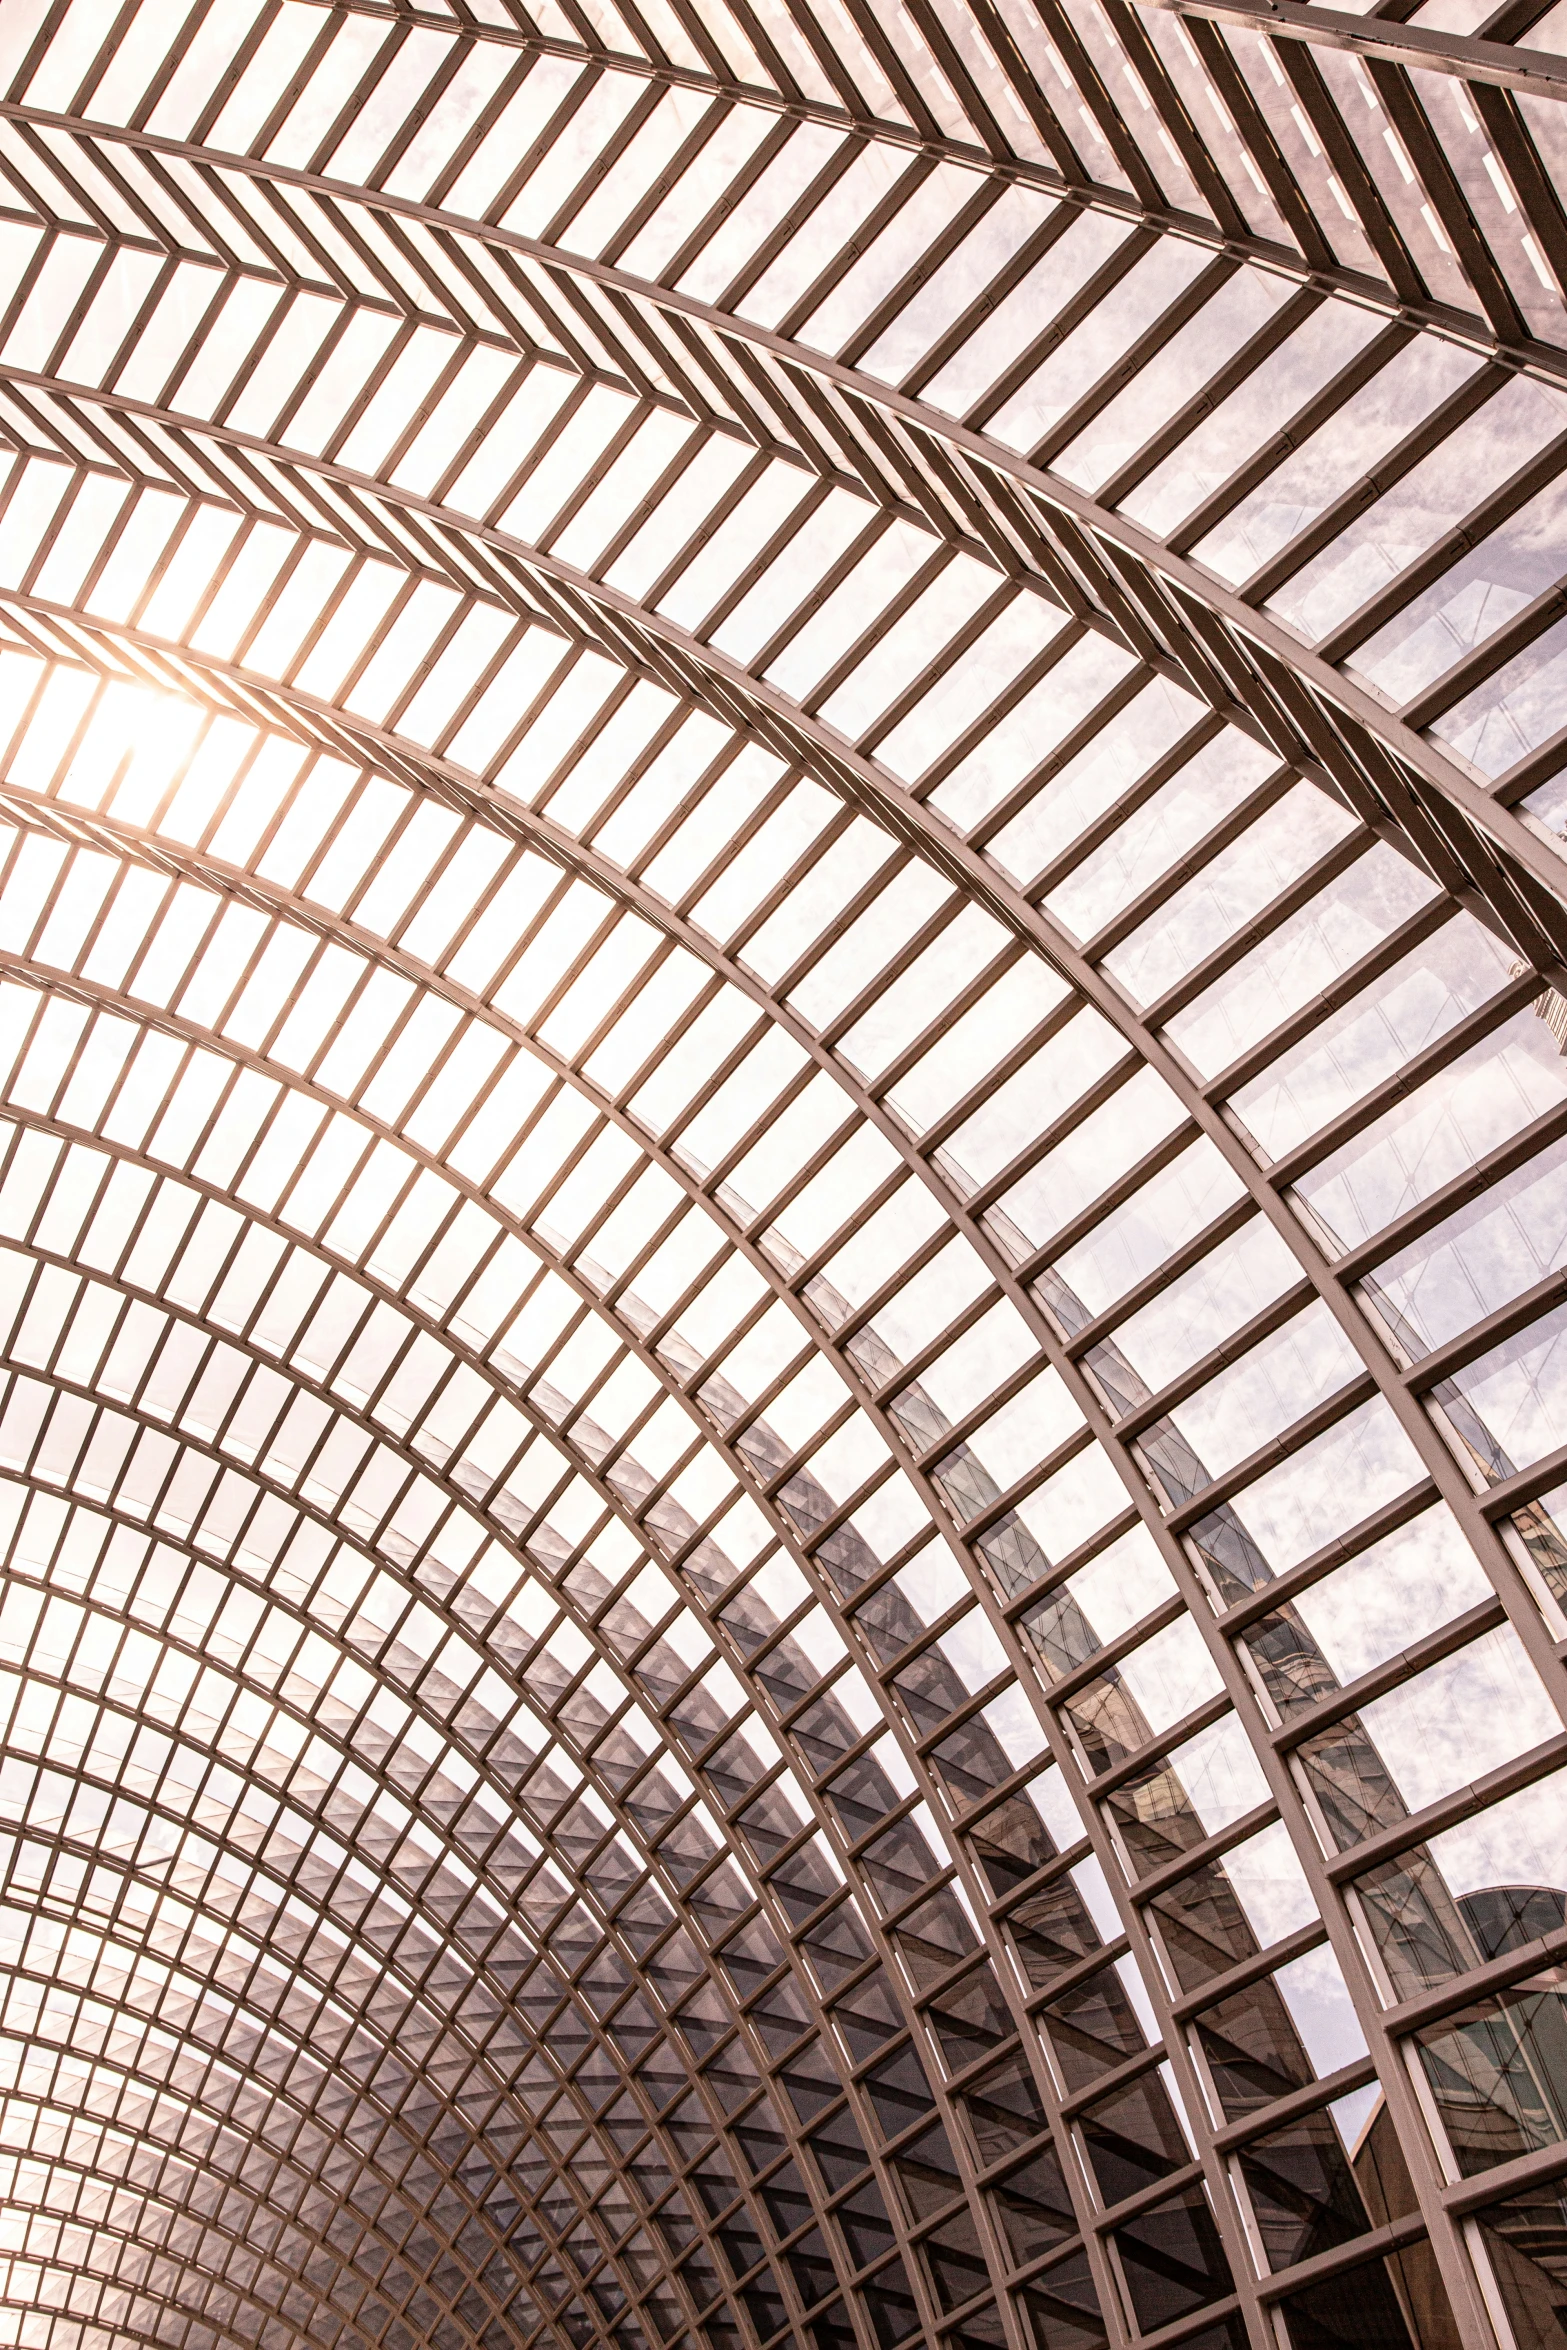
[{"x": 783, "y": 1174}]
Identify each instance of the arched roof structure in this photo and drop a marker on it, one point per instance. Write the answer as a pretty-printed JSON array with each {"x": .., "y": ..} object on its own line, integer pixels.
[{"x": 783, "y": 1174}]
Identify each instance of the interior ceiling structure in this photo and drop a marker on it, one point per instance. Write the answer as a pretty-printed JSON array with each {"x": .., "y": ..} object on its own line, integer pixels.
[{"x": 783, "y": 1174}]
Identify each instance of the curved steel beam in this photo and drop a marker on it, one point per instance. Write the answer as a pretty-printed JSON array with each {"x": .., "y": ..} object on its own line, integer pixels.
[
  {"x": 1427, "y": 48},
  {"x": 863, "y": 784},
  {"x": 217, "y": 2184},
  {"x": 352, "y": 2088},
  {"x": 615, "y": 619},
  {"x": 437, "y": 1828},
  {"x": 1532, "y": 73},
  {"x": 850, "y": 774},
  {"x": 1302, "y": 713},
  {"x": 613, "y": 1500},
  {"x": 259, "y": 701},
  {"x": 737, "y": 1462},
  {"x": 1402, "y": 43},
  {"x": 858, "y": 780},
  {"x": 1331, "y": 691},
  {"x": 1230, "y": 1672},
  {"x": 330, "y": 1521}
]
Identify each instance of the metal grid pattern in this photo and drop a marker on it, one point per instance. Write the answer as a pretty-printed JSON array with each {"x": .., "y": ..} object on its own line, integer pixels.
[{"x": 783, "y": 1148}]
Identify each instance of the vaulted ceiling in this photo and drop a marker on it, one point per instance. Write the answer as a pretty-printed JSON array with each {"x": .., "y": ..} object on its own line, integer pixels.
[{"x": 782, "y": 1140}]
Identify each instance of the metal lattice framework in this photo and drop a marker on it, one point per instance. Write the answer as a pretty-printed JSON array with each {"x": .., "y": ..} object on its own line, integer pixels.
[{"x": 783, "y": 1174}]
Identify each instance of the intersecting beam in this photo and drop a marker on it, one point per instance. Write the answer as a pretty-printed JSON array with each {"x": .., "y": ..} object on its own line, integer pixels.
[
  {"x": 1037, "y": 533},
  {"x": 616, "y": 1502},
  {"x": 1427, "y": 48},
  {"x": 863, "y": 785},
  {"x": 1519, "y": 845},
  {"x": 1469, "y": 57}
]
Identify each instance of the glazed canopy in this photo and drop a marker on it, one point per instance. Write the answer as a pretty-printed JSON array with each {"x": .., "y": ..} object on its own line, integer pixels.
[{"x": 783, "y": 1173}]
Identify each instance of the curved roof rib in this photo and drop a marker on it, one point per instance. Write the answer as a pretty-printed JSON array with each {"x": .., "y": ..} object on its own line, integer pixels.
[
  {"x": 1169, "y": 611},
  {"x": 783, "y": 1148}
]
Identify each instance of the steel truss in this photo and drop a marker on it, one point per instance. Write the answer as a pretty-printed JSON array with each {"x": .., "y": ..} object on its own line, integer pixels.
[{"x": 780, "y": 880}]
